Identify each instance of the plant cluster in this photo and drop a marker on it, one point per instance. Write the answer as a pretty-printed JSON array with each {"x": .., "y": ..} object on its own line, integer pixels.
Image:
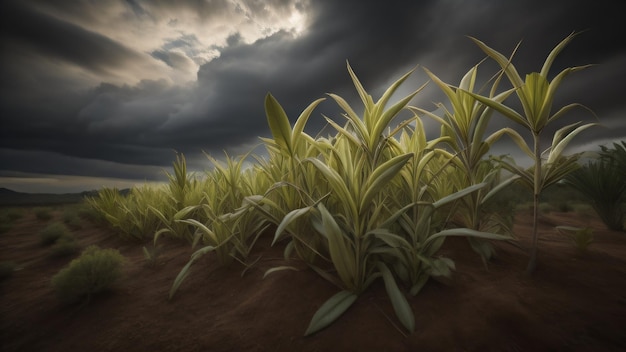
[
  {"x": 94, "y": 271},
  {"x": 60, "y": 239},
  {"x": 603, "y": 182},
  {"x": 52, "y": 233},
  {"x": 376, "y": 199},
  {"x": 43, "y": 213},
  {"x": 7, "y": 217}
]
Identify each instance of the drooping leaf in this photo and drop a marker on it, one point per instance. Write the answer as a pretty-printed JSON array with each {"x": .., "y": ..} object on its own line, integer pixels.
[
  {"x": 332, "y": 309},
  {"x": 400, "y": 305}
]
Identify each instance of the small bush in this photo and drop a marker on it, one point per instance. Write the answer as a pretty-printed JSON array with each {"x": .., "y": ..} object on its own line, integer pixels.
[
  {"x": 7, "y": 217},
  {"x": 6, "y": 270},
  {"x": 43, "y": 213},
  {"x": 94, "y": 271},
  {"x": 64, "y": 246},
  {"x": 12, "y": 214},
  {"x": 52, "y": 233},
  {"x": 71, "y": 219}
]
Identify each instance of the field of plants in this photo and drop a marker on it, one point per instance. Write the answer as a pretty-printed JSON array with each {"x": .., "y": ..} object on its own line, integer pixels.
[{"x": 364, "y": 228}]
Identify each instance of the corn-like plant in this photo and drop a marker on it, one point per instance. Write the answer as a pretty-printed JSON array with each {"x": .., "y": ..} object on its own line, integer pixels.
[
  {"x": 295, "y": 184},
  {"x": 464, "y": 128},
  {"x": 362, "y": 166},
  {"x": 536, "y": 95},
  {"x": 228, "y": 229},
  {"x": 184, "y": 194},
  {"x": 130, "y": 215},
  {"x": 357, "y": 166}
]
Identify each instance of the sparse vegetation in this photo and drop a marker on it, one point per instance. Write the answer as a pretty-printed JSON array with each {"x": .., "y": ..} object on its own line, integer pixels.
[
  {"x": 43, "y": 213},
  {"x": 52, "y": 233},
  {"x": 70, "y": 218},
  {"x": 65, "y": 246},
  {"x": 94, "y": 271},
  {"x": 602, "y": 182}
]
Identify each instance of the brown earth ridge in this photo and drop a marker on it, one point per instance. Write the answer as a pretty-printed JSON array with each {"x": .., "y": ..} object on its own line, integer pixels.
[{"x": 575, "y": 301}]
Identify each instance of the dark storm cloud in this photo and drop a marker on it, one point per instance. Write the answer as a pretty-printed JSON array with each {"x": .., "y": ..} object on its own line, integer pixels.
[
  {"x": 72, "y": 119},
  {"x": 54, "y": 38}
]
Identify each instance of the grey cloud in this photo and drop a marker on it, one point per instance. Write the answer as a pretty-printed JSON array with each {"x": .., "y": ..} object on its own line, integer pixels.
[
  {"x": 174, "y": 59},
  {"x": 144, "y": 123},
  {"x": 50, "y": 36}
]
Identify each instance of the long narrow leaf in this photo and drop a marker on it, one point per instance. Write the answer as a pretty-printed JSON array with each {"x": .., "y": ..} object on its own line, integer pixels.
[
  {"x": 332, "y": 309},
  {"x": 398, "y": 301}
]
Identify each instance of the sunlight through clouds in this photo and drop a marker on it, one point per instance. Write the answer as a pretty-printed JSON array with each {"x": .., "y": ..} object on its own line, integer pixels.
[
  {"x": 131, "y": 82},
  {"x": 179, "y": 37}
]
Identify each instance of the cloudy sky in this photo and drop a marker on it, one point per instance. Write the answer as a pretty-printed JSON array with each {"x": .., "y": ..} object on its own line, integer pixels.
[{"x": 104, "y": 93}]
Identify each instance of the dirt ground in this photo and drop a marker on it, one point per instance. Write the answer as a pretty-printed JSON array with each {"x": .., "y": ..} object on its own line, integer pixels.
[{"x": 574, "y": 301}]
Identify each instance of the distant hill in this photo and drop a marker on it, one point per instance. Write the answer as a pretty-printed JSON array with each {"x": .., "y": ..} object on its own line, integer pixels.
[{"x": 9, "y": 197}]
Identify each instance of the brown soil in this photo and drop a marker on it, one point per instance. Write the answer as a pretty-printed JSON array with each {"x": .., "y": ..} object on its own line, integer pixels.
[{"x": 574, "y": 301}]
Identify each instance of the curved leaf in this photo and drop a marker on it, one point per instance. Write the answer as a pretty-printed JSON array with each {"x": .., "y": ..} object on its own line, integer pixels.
[
  {"x": 279, "y": 123},
  {"x": 398, "y": 301},
  {"x": 332, "y": 309}
]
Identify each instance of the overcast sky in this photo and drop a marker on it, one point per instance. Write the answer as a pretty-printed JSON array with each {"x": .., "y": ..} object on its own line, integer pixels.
[{"x": 104, "y": 93}]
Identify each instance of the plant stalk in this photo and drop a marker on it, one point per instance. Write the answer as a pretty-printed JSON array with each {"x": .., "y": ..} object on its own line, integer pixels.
[{"x": 532, "y": 262}]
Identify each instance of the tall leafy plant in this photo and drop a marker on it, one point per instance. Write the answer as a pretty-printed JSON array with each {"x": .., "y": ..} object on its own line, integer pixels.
[
  {"x": 464, "y": 128},
  {"x": 536, "y": 94}
]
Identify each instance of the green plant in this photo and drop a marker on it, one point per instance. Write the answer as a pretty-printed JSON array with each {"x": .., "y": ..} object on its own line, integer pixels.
[
  {"x": 464, "y": 130},
  {"x": 536, "y": 95},
  {"x": 43, "y": 213},
  {"x": 602, "y": 182},
  {"x": 181, "y": 199},
  {"x": 94, "y": 271},
  {"x": 11, "y": 214},
  {"x": 64, "y": 246},
  {"x": 363, "y": 220},
  {"x": 151, "y": 255},
  {"x": 617, "y": 154},
  {"x": 225, "y": 228},
  {"x": 89, "y": 212},
  {"x": 70, "y": 218},
  {"x": 52, "y": 233},
  {"x": 6, "y": 270},
  {"x": 581, "y": 237}
]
